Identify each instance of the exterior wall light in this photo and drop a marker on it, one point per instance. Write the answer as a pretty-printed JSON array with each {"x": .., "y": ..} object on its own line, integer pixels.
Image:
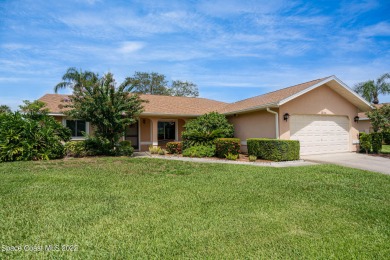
[
  {"x": 286, "y": 116},
  {"x": 356, "y": 119}
]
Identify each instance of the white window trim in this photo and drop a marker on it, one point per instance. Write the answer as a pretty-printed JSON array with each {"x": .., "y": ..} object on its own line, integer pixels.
[{"x": 77, "y": 138}]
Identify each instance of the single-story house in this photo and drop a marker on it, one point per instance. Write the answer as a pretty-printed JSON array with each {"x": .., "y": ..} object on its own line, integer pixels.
[{"x": 321, "y": 114}]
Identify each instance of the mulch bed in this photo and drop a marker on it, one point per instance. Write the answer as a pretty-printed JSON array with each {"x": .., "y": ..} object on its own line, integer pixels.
[
  {"x": 384, "y": 155},
  {"x": 241, "y": 158}
]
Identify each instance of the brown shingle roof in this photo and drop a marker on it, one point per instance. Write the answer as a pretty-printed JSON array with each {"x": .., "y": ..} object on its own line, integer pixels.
[
  {"x": 179, "y": 105},
  {"x": 268, "y": 98},
  {"x": 188, "y": 106},
  {"x": 157, "y": 104}
]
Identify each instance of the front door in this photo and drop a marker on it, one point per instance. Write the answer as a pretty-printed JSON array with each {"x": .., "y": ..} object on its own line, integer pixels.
[{"x": 132, "y": 135}]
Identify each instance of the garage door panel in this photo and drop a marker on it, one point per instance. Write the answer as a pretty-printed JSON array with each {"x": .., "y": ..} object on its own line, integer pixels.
[{"x": 320, "y": 134}]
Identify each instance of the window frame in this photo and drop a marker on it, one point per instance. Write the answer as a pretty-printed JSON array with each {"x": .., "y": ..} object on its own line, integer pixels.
[{"x": 76, "y": 137}]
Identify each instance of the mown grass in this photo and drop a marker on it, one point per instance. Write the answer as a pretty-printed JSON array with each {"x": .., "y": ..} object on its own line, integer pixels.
[
  {"x": 385, "y": 149},
  {"x": 121, "y": 208}
]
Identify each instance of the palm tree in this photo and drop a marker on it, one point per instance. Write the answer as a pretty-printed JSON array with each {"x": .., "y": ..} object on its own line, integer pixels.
[
  {"x": 370, "y": 89},
  {"x": 75, "y": 79}
]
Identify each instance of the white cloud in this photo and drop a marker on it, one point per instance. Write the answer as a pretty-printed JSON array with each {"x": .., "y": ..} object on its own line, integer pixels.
[
  {"x": 379, "y": 29},
  {"x": 130, "y": 47}
]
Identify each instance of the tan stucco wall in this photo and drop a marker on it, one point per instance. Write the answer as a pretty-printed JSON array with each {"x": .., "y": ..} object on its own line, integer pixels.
[
  {"x": 253, "y": 125},
  {"x": 322, "y": 100},
  {"x": 365, "y": 126},
  {"x": 145, "y": 125}
]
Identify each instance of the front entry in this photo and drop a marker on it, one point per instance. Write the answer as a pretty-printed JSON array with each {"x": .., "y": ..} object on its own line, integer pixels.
[
  {"x": 132, "y": 135},
  {"x": 166, "y": 132}
]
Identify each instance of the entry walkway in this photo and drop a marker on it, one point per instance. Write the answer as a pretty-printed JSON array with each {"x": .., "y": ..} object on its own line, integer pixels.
[
  {"x": 211, "y": 160},
  {"x": 353, "y": 160}
]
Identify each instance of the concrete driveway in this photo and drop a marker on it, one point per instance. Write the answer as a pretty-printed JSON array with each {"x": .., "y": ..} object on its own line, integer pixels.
[{"x": 353, "y": 160}]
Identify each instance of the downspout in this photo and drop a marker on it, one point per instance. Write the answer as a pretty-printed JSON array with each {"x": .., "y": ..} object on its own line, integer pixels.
[{"x": 276, "y": 121}]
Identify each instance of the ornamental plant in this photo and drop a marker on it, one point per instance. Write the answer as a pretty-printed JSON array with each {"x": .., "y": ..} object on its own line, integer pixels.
[{"x": 205, "y": 129}]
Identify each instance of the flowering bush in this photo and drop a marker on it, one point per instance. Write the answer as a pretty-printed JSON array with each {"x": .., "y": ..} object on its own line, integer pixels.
[
  {"x": 224, "y": 146},
  {"x": 174, "y": 147}
]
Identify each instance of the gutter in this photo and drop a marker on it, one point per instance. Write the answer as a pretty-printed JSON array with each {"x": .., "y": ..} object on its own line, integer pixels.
[{"x": 276, "y": 121}]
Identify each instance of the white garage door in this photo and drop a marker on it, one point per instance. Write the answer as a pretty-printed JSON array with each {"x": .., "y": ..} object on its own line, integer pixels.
[{"x": 320, "y": 134}]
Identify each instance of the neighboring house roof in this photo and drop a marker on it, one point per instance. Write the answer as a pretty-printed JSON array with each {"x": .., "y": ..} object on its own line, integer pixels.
[
  {"x": 363, "y": 115},
  {"x": 189, "y": 106},
  {"x": 156, "y": 105}
]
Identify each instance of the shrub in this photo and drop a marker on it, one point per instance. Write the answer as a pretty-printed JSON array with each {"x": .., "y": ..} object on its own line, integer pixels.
[
  {"x": 34, "y": 136},
  {"x": 231, "y": 156},
  {"x": 273, "y": 149},
  {"x": 124, "y": 148},
  {"x": 386, "y": 137},
  {"x": 205, "y": 129},
  {"x": 154, "y": 149},
  {"x": 75, "y": 149},
  {"x": 174, "y": 147},
  {"x": 252, "y": 158},
  {"x": 365, "y": 142},
  {"x": 199, "y": 151},
  {"x": 376, "y": 141},
  {"x": 98, "y": 145},
  {"x": 223, "y": 146},
  {"x": 162, "y": 152}
]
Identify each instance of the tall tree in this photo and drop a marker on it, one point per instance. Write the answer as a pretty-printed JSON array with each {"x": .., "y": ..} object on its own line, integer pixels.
[
  {"x": 371, "y": 89},
  {"x": 4, "y": 109},
  {"x": 108, "y": 107},
  {"x": 149, "y": 83},
  {"x": 183, "y": 89},
  {"x": 156, "y": 84}
]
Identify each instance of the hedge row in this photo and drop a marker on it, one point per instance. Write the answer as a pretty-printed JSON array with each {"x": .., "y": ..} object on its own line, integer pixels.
[
  {"x": 273, "y": 149},
  {"x": 371, "y": 141}
]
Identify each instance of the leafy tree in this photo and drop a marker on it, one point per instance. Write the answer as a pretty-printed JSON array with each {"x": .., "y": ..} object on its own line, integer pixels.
[
  {"x": 107, "y": 107},
  {"x": 156, "y": 84},
  {"x": 35, "y": 110},
  {"x": 380, "y": 118},
  {"x": 149, "y": 83},
  {"x": 183, "y": 89},
  {"x": 371, "y": 89},
  {"x": 4, "y": 109}
]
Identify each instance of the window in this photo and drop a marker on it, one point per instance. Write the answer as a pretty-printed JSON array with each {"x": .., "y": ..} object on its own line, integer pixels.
[{"x": 77, "y": 127}]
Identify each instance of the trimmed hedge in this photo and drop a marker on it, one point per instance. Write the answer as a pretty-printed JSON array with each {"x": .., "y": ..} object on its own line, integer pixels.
[
  {"x": 199, "y": 151},
  {"x": 273, "y": 149},
  {"x": 174, "y": 147},
  {"x": 224, "y": 146},
  {"x": 364, "y": 142},
  {"x": 376, "y": 141}
]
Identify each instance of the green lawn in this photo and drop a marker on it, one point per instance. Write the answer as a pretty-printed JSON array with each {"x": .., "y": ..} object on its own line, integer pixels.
[
  {"x": 122, "y": 208},
  {"x": 385, "y": 149}
]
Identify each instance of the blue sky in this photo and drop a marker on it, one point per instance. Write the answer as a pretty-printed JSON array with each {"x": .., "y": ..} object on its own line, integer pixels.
[{"x": 230, "y": 49}]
